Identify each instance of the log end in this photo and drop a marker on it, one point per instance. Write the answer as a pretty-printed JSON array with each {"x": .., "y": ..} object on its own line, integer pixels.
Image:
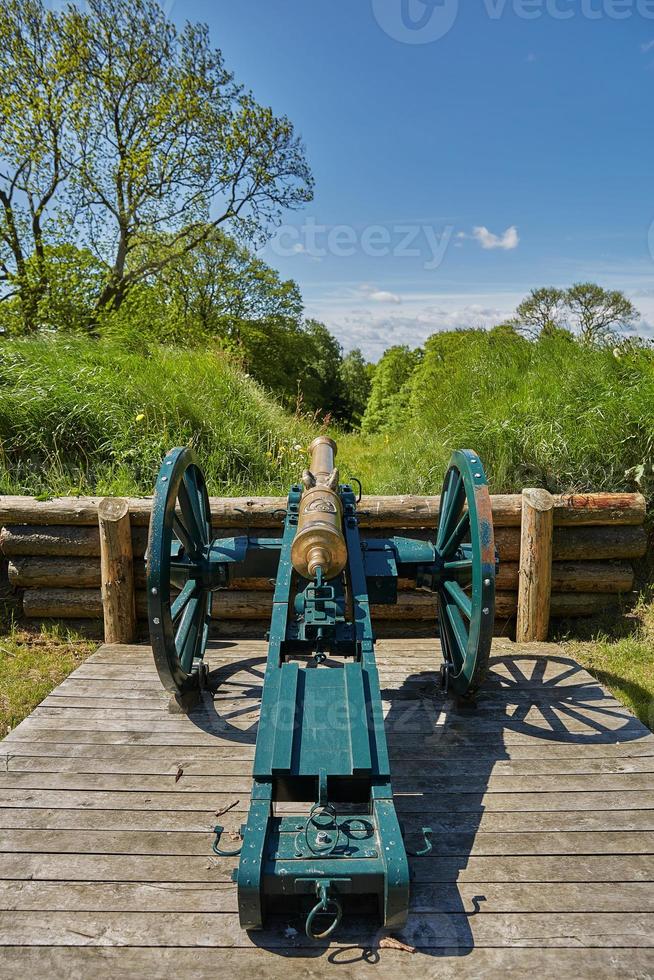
[
  {"x": 538, "y": 499},
  {"x": 113, "y": 509}
]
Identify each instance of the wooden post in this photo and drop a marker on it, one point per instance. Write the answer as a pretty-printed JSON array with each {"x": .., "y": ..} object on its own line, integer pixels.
[
  {"x": 117, "y": 571},
  {"x": 535, "y": 575}
]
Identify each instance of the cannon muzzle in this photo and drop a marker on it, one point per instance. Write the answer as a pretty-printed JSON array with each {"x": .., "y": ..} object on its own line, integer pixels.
[{"x": 319, "y": 541}]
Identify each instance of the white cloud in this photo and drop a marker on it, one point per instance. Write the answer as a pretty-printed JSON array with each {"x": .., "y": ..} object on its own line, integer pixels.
[
  {"x": 422, "y": 315},
  {"x": 509, "y": 240},
  {"x": 379, "y": 295},
  {"x": 648, "y": 46}
]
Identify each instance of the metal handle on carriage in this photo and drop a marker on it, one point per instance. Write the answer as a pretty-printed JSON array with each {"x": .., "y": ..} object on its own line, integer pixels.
[{"x": 325, "y": 900}]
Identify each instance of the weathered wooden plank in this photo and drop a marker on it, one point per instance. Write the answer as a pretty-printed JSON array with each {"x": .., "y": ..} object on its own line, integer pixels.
[
  {"x": 442, "y": 742},
  {"x": 155, "y": 761},
  {"x": 418, "y": 781},
  {"x": 405, "y": 717},
  {"x": 442, "y": 822},
  {"x": 53, "y": 742},
  {"x": 232, "y": 697},
  {"x": 205, "y": 964},
  {"x": 430, "y": 930},
  {"x": 62, "y": 540},
  {"x": 455, "y": 844},
  {"x": 118, "y": 896},
  {"x": 375, "y": 511},
  {"x": 256, "y": 605},
  {"x": 57, "y": 572},
  {"x": 139, "y": 867},
  {"x": 410, "y": 803},
  {"x": 519, "y": 668}
]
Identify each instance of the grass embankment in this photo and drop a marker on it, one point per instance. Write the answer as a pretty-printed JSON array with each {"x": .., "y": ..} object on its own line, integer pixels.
[
  {"x": 554, "y": 413},
  {"x": 78, "y": 416}
]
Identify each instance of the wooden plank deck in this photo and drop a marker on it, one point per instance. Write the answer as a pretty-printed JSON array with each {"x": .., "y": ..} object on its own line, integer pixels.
[{"x": 541, "y": 801}]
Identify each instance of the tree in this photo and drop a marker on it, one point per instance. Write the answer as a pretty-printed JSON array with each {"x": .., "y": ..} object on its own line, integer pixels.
[
  {"x": 542, "y": 311},
  {"x": 321, "y": 358},
  {"x": 36, "y": 106},
  {"x": 593, "y": 313},
  {"x": 598, "y": 313},
  {"x": 219, "y": 284},
  {"x": 355, "y": 379},
  {"x": 389, "y": 393},
  {"x": 129, "y": 132},
  {"x": 165, "y": 135}
]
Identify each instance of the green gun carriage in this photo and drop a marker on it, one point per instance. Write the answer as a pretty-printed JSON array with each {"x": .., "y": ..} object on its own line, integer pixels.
[{"x": 322, "y": 832}]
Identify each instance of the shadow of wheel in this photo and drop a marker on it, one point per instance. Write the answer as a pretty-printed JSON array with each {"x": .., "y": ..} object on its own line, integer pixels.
[{"x": 554, "y": 698}]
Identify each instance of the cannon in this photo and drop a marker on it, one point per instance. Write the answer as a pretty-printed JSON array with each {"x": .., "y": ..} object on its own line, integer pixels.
[{"x": 322, "y": 832}]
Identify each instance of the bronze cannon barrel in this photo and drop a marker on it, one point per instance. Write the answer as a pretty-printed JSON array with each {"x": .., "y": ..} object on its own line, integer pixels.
[{"x": 319, "y": 540}]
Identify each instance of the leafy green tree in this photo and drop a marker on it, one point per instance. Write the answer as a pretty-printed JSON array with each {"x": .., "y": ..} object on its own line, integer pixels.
[
  {"x": 36, "y": 106},
  {"x": 167, "y": 136},
  {"x": 356, "y": 381},
  {"x": 542, "y": 311},
  {"x": 390, "y": 390},
  {"x": 212, "y": 289},
  {"x": 598, "y": 313},
  {"x": 320, "y": 380},
  {"x": 119, "y": 130},
  {"x": 271, "y": 352},
  {"x": 591, "y": 312}
]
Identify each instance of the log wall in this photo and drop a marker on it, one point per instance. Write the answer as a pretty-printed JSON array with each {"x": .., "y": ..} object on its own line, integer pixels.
[{"x": 53, "y": 552}]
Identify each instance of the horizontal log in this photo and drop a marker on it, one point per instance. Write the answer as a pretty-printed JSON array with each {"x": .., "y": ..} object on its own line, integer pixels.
[
  {"x": 63, "y": 603},
  {"x": 54, "y": 572},
  {"x": 598, "y": 543},
  {"x": 590, "y": 576},
  {"x": 599, "y": 508},
  {"x": 84, "y": 573},
  {"x": 570, "y": 543},
  {"x": 375, "y": 511},
  {"x": 251, "y": 605},
  {"x": 64, "y": 540}
]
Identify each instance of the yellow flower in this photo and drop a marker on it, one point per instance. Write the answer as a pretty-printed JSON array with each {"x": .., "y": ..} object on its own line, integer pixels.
[{"x": 140, "y": 417}]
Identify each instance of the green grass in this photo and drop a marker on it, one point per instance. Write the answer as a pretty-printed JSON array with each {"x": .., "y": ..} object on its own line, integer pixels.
[
  {"x": 625, "y": 665},
  {"x": 78, "y": 416},
  {"x": 81, "y": 416},
  {"x": 554, "y": 414},
  {"x": 31, "y": 665}
]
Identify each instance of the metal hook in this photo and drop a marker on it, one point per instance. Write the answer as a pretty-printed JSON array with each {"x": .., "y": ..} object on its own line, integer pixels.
[
  {"x": 217, "y": 850},
  {"x": 426, "y": 833}
]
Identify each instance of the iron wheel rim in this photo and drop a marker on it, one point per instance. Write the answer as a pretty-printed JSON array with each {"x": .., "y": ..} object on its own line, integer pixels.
[
  {"x": 179, "y": 542},
  {"x": 465, "y": 547}
]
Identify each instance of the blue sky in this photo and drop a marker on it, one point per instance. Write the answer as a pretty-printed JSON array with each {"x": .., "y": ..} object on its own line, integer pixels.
[{"x": 463, "y": 152}]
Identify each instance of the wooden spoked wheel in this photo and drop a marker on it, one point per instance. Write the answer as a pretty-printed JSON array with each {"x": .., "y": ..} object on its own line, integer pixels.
[
  {"x": 179, "y": 571},
  {"x": 465, "y": 548}
]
